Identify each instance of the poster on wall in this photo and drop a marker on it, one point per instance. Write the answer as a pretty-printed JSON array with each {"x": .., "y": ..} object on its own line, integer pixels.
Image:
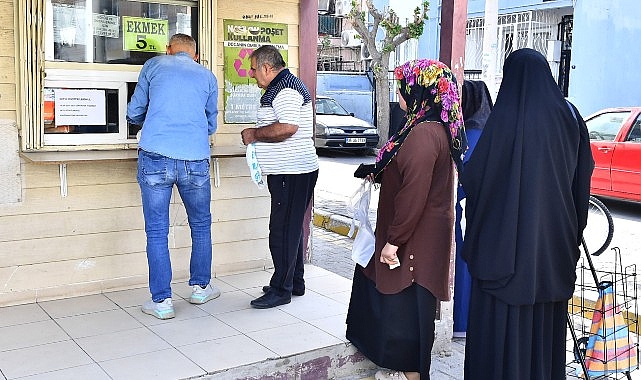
[
  {"x": 145, "y": 34},
  {"x": 242, "y": 94}
]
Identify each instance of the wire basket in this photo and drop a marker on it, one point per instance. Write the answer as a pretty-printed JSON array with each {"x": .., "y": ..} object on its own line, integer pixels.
[{"x": 603, "y": 315}]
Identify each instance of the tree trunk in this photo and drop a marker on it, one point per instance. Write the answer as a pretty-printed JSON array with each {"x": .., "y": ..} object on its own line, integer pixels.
[{"x": 382, "y": 104}]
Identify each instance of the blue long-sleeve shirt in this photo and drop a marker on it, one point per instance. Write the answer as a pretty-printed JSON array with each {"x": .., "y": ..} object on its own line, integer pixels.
[{"x": 175, "y": 101}]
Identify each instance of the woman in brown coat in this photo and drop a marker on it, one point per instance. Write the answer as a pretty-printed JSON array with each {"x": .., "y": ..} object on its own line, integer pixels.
[{"x": 392, "y": 308}]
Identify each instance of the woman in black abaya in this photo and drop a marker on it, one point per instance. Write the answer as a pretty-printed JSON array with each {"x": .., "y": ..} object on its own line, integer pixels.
[{"x": 527, "y": 185}]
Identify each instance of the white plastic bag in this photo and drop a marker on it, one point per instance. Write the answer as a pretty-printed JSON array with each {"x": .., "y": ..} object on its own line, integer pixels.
[
  {"x": 364, "y": 243},
  {"x": 254, "y": 168}
]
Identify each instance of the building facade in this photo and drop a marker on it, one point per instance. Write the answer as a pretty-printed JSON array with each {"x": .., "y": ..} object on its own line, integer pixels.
[
  {"x": 579, "y": 38},
  {"x": 70, "y": 209}
]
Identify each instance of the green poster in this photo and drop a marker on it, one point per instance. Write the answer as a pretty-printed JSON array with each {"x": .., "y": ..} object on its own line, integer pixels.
[
  {"x": 145, "y": 34},
  {"x": 242, "y": 95}
]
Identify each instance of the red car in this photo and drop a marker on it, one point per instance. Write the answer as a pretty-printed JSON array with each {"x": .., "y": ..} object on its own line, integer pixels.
[{"x": 615, "y": 139}]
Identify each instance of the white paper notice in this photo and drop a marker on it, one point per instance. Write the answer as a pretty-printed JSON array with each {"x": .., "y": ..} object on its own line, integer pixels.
[{"x": 80, "y": 107}]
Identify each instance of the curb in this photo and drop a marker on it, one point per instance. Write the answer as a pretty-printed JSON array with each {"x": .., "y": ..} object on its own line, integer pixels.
[{"x": 333, "y": 222}]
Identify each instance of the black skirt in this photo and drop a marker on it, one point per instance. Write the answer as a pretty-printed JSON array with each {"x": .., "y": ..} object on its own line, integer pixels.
[
  {"x": 514, "y": 342},
  {"x": 395, "y": 331}
]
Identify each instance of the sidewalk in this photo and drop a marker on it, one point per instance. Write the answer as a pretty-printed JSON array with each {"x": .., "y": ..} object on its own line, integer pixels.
[{"x": 106, "y": 336}]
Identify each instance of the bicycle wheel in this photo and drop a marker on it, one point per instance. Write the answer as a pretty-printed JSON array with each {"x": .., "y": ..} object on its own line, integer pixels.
[{"x": 600, "y": 228}]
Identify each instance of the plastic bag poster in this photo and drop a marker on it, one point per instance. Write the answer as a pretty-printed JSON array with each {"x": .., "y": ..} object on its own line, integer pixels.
[
  {"x": 145, "y": 34},
  {"x": 242, "y": 94}
]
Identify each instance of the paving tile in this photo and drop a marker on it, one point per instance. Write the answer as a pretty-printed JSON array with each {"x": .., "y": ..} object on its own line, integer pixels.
[
  {"x": 42, "y": 358},
  {"x": 100, "y": 323},
  {"x": 254, "y": 292},
  {"x": 122, "y": 344},
  {"x": 312, "y": 271},
  {"x": 30, "y": 334},
  {"x": 159, "y": 365},
  {"x": 247, "y": 280},
  {"x": 183, "y": 289},
  {"x": 190, "y": 331},
  {"x": 329, "y": 284},
  {"x": 214, "y": 355},
  {"x": 342, "y": 297},
  {"x": 255, "y": 320},
  {"x": 130, "y": 297},
  {"x": 78, "y": 305},
  {"x": 182, "y": 309},
  {"x": 313, "y": 306},
  {"x": 16, "y": 315},
  {"x": 228, "y": 301},
  {"x": 334, "y": 325},
  {"x": 90, "y": 371},
  {"x": 293, "y": 339}
]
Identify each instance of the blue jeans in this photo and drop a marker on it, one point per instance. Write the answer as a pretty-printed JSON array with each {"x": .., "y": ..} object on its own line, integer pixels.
[{"x": 157, "y": 175}]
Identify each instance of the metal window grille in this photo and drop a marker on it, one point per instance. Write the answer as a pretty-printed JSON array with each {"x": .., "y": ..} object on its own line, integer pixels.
[
  {"x": 531, "y": 29},
  {"x": 329, "y": 25}
]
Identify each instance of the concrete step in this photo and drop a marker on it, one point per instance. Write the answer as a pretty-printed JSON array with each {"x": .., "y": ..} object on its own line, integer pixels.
[{"x": 340, "y": 362}]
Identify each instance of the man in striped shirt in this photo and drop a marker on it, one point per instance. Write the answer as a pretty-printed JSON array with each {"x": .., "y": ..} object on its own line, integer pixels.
[{"x": 284, "y": 143}]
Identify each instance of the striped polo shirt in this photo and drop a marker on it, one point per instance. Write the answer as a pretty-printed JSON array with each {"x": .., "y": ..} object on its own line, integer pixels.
[{"x": 286, "y": 100}]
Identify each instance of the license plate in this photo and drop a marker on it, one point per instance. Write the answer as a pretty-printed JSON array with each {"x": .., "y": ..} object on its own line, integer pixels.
[{"x": 355, "y": 140}]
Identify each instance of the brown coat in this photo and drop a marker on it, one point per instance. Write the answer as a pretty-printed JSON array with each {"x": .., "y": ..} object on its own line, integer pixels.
[{"x": 416, "y": 213}]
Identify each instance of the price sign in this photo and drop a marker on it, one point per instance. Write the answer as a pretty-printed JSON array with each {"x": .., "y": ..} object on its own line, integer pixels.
[{"x": 145, "y": 34}]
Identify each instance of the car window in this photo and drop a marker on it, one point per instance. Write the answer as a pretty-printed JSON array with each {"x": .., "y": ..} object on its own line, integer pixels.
[
  {"x": 635, "y": 132},
  {"x": 604, "y": 127},
  {"x": 329, "y": 107}
]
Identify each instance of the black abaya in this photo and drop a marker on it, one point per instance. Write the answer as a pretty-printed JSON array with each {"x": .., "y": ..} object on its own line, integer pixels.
[{"x": 527, "y": 185}]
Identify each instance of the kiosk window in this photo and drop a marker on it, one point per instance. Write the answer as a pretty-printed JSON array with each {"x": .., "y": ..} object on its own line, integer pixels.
[
  {"x": 93, "y": 51},
  {"x": 114, "y": 31}
]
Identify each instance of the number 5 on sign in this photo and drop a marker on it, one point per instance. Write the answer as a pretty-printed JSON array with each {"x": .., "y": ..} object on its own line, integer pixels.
[{"x": 144, "y": 34}]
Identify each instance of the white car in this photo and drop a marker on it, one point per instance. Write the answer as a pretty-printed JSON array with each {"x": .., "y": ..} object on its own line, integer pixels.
[{"x": 338, "y": 129}]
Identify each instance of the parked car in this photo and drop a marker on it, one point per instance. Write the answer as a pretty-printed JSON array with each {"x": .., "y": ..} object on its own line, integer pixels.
[
  {"x": 338, "y": 129},
  {"x": 615, "y": 139}
]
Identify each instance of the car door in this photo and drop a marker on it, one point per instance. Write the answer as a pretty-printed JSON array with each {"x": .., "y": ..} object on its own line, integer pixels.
[
  {"x": 626, "y": 161},
  {"x": 603, "y": 129}
]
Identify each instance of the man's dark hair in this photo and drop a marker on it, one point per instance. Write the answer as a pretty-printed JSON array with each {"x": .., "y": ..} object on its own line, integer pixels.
[{"x": 268, "y": 54}]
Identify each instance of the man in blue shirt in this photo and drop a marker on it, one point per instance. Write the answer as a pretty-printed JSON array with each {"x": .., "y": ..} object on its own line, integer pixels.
[{"x": 175, "y": 101}]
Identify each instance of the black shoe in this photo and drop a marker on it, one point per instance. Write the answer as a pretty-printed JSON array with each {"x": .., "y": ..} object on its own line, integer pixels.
[
  {"x": 295, "y": 292},
  {"x": 269, "y": 300}
]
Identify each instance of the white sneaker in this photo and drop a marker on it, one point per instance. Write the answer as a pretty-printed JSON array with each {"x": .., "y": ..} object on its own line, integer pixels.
[
  {"x": 389, "y": 375},
  {"x": 200, "y": 295},
  {"x": 160, "y": 310}
]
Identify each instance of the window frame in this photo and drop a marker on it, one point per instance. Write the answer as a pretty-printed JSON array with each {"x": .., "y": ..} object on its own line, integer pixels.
[{"x": 35, "y": 73}]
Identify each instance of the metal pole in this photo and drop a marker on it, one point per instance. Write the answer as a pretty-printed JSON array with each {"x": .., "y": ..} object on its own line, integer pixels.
[{"x": 490, "y": 46}]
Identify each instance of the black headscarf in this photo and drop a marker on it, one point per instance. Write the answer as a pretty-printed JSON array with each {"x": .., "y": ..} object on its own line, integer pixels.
[
  {"x": 477, "y": 104},
  {"x": 430, "y": 92},
  {"x": 527, "y": 184}
]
